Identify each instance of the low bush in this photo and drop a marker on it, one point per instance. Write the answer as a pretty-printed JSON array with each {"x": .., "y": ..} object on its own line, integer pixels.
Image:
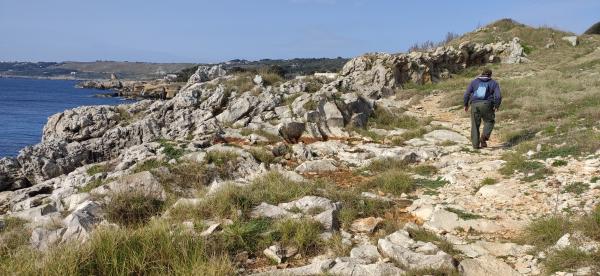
[
  {"x": 420, "y": 234},
  {"x": 425, "y": 170},
  {"x": 148, "y": 165}
]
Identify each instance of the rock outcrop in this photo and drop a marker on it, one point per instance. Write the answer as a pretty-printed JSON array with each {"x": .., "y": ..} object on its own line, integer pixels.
[{"x": 377, "y": 75}]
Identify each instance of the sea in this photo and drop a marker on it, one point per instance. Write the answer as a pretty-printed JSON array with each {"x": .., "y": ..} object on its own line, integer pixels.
[{"x": 26, "y": 104}]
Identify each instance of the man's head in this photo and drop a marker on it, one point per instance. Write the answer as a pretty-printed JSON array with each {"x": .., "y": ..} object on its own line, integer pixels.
[{"x": 486, "y": 72}]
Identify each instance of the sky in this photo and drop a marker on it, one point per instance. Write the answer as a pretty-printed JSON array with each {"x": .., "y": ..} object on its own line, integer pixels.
[{"x": 214, "y": 31}]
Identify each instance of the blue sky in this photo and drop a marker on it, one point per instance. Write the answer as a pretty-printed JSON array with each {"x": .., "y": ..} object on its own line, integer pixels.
[{"x": 209, "y": 31}]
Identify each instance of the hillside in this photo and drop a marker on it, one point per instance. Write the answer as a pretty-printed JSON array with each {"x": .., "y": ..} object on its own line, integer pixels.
[
  {"x": 369, "y": 173},
  {"x": 150, "y": 71}
]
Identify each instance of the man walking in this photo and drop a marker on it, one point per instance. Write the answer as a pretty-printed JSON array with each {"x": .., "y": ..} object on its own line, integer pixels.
[{"x": 483, "y": 95}]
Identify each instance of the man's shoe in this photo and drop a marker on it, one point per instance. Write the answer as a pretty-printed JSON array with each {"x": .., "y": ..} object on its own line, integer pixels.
[{"x": 482, "y": 142}]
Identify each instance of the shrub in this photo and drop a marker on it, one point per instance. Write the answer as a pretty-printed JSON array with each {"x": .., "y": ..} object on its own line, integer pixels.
[
  {"x": 337, "y": 246},
  {"x": 544, "y": 232},
  {"x": 132, "y": 208}
]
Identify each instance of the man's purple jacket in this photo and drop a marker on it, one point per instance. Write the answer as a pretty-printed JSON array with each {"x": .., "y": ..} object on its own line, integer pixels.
[{"x": 491, "y": 95}]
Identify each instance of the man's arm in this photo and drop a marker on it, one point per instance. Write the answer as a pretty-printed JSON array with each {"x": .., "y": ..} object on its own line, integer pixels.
[
  {"x": 467, "y": 96},
  {"x": 497, "y": 96}
]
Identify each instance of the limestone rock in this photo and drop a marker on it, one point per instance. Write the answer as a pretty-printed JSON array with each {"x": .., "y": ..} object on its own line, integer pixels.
[
  {"x": 365, "y": 252},
  {"x": 316, "y": 166},
  {"x": 484, "y": 266},
  {"x": 573, "y": 40},
  {"x": 402, "y": 249},
  {"x": 142, "y": 182},
  {"x": 365, "y": 225},
  {"x": 292, "y": 131}
]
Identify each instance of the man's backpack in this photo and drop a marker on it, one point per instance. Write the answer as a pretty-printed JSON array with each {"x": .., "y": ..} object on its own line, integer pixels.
[{"x": 481, "y": 91}]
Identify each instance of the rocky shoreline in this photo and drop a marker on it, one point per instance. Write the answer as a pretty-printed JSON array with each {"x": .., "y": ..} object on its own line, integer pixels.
[{"x": 226, "y": 124}]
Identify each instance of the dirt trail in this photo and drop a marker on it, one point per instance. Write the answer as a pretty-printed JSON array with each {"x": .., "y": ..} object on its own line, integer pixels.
[{"x": 454, "y": 117}]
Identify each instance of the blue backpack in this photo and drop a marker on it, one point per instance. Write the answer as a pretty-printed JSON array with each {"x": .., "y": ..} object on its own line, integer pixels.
[{"x": 479, "y": 94}]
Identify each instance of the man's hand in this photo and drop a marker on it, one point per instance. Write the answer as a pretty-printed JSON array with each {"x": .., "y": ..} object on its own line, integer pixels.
[{"x": 467, "y": 108}]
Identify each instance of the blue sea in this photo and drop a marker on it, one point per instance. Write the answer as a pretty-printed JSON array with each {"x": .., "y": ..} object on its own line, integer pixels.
[{"x": 26, "y": 104}]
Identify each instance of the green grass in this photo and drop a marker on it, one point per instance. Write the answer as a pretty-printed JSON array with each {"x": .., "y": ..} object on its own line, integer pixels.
[
  {"x": 576, "y": 188},
  {"x": 533, "y": 170},
  {"x": 569, "y": 258},
  {"x": 551, "y": 152},
  {"x": 488, "y": 181},
  {"x": 170, "y": 150},
  {"x": 590, "y": 224},
  {"x": 185, "y": 176},
  {"x": 148, "y": 165},
  {"x": 302, "y": 234},
  {"x": 225, "y": 162},
  {"x": 226, "y": 202},
  {"x": 311, "y": 105},
  {"x": 432, "y": 272},
  {"x": 262, "y": 155},
  {"x": 156, "y": 249},
  {"x": 385, "y": 119},
  {"x": 92, "y": 185},
  {"x": 424, "y": 235},
  {"x": 559, "y": 163},
  {"x": 245, "y": 236},
  {"x": 410, "y": 134},
  {"x": 393, "y": 182},
  {"x": 463, "y": 214},
  {"x": 337, "y": 246},
  {"x": 13, "y": 236},
  {"x": 385, "y": 164},
  {"x": 431, "y": 184},
  {"x": 544, "y": 232},
  {"x": 425, "y": 170},
  {"x": 132, "y": 208},
  {"x": 96, "y": 169}
]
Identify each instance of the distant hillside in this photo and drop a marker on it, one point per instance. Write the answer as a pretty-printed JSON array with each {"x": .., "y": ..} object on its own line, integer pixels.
[
  {"x": 90, "y": 70},
  {"x": 594, "y": 29},
  {"x": 285, "y": 67},
  {"x": 145, "y": 70}
]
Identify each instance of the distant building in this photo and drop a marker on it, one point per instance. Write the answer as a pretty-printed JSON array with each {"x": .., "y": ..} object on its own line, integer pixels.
[{"x": 327, "y": 75}]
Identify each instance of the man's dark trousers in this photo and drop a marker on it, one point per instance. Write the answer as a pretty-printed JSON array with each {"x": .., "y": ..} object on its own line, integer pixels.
[{"x": 483, "y": 110}]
